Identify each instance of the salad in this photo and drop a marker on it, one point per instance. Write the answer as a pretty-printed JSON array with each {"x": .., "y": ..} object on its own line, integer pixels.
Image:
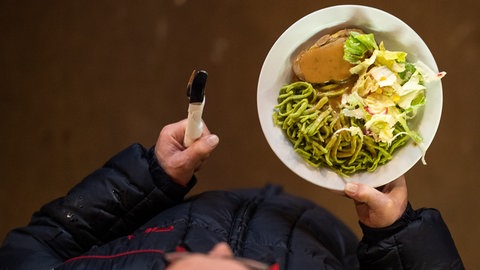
[{"x": 357, "y": 124}]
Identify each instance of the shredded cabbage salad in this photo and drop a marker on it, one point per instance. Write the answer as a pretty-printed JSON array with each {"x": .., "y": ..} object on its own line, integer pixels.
[{"x": 389, "y": 90}]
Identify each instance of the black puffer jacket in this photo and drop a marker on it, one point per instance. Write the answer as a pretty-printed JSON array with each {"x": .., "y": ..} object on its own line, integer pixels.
[{"x": 127, "y": 214}]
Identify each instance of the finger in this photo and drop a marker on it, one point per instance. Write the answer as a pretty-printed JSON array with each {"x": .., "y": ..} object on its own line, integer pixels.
[
  {"x": 203, "y": 146},
  {"x": 174, "y": 131},
  {"x": 362, "y": 193},
  {"x": 205, "y": 130}
]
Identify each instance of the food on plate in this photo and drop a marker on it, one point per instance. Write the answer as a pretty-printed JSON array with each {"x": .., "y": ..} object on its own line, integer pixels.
[
  {"x": 323, "y": 61},
  {"x": 350, "y": 103}
]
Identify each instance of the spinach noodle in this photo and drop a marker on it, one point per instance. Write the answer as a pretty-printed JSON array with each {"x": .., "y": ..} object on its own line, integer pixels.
[{"x": 323, "y": 136}]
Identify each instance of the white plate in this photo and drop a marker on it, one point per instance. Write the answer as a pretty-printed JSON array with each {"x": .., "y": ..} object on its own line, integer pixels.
[{"x": 277, "y": 71}]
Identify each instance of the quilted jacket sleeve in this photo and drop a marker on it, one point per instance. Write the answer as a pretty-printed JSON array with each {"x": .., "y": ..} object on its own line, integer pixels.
[
  {"x": 418, "y": 240},
  {"x": 111, "y": 202}
]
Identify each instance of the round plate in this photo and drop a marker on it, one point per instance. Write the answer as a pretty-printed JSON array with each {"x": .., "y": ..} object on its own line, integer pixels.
[{"x": 277, "y": 71}]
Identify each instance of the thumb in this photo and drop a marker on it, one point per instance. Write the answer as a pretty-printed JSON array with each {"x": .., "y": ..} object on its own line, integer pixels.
[
  {"x": 362, "y": 193},
  {"x": 205, "y": 145}
]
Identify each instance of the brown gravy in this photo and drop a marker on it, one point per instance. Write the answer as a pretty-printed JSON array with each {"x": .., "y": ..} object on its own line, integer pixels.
[{"x": 325, "y": 63}]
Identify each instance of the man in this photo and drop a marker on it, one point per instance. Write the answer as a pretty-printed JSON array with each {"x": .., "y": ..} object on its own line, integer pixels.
[{"x": 132, "y": 214}]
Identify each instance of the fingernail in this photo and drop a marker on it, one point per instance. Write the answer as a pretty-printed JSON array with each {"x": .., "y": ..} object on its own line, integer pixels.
[
  {"x": 213, "y": 140},
  {"x": 351, "y": 188}
]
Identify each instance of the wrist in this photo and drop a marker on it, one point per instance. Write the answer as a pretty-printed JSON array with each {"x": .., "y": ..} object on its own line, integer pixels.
[
  {"x": 373, "y": 235},
  {"x": 165, "y": 182}
]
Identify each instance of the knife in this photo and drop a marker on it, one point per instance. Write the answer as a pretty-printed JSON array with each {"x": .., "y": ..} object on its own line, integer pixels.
[{"x": 196, "y": 96}]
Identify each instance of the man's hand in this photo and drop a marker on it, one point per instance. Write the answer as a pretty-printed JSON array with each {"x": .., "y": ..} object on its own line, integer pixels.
[
  {"x": 178, "y": 161},
  {"x": 377, "y": 208}
]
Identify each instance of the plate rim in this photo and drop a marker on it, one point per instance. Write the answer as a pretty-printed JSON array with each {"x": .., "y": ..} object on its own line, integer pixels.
[{"x": 330, "y": 179}]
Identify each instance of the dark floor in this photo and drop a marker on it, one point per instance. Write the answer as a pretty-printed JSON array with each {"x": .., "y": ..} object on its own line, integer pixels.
[{"x": 79, "y": 82}]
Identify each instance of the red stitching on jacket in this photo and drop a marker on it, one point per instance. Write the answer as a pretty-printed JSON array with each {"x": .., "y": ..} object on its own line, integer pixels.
[
  {"x": 153, "y": 230},
  {"x": 113, "y": 256},
  {"x": 157, "y": 229}
]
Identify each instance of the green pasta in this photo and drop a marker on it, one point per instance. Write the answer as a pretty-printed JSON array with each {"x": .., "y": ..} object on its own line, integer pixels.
[{"x": 323, "y": 136}]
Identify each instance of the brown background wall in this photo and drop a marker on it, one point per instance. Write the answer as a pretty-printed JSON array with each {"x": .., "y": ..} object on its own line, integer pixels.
[{"x": 81, "y": 80}]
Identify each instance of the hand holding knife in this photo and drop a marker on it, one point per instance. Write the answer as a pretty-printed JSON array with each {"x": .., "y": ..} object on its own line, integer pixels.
[{"x": 196, "y": 95}]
